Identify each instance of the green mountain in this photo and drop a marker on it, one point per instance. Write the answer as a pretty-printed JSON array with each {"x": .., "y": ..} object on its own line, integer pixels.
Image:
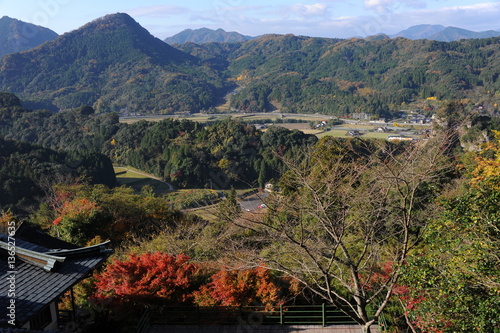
[
  {"x": 421, "y": 31},
  {"x": 303, "y": 74},
  {"x": 16, "y": 36},
  {"x": 205, "y": 35},
  {"x": 451, "y": 34},
  {"x": 113, "y": 64}
]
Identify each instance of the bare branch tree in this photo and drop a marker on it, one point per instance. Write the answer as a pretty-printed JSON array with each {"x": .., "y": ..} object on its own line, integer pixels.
[{"x": 347, "y": 215}]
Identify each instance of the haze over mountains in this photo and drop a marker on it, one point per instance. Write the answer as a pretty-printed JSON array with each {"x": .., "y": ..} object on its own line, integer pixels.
[{"x": 115, "y": 65}]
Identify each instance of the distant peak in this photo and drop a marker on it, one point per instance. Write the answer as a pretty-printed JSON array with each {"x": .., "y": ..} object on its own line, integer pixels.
[
  {"x": 206, "y": 35},
  {"x": 120, "y": 18},
  {"x": 112, "y": 21}
]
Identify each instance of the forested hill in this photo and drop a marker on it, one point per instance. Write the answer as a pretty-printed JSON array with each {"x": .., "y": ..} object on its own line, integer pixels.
[
  {"x": 16, "y": 36},
  {"x": 205, "y": 35},
  {"x": 112, "y": 63},
  {"x": 303, "y": 74},
  {"x": 185, "y": 153},
  {"x": 28, "y": 171}
]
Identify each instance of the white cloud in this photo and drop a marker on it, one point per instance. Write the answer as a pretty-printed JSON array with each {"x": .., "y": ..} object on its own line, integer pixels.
[
  {"x": 309, "y": 11},
  {"x": 380, "y": 6}
]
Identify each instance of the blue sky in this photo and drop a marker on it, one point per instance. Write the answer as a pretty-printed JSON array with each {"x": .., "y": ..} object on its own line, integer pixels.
[{"x": 318, "y": 18}]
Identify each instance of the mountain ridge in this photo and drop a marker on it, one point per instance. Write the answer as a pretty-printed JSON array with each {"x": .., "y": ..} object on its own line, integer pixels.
[
  {"x": 301, "y": 74},
  {"x": 450, "y": 34},
  {"x": 422, "y": 31},
  {"x": 17, "y": 36}
]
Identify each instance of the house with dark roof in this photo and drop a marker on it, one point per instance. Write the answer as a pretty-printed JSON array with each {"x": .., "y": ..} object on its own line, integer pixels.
[{"x": 35, "y": 271}]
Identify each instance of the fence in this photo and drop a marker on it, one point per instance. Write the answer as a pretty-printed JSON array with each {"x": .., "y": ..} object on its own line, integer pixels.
[{"x": 256, "y": 315}]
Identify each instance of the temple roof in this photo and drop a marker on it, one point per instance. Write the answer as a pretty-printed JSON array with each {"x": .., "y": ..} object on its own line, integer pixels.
[{"x": 44, "y": 269}]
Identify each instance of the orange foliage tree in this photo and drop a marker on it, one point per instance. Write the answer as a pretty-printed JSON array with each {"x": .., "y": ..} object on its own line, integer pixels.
[{"x": 240, "y": 288}]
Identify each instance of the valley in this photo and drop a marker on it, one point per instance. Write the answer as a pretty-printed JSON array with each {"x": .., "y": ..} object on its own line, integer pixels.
[
  {"x": 306, "y": 123},
  {"x": 359, "y": 176}
]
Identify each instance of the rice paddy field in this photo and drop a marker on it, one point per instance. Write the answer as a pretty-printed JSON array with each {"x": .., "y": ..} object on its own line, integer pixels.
[{"x": 366, "y": 130}]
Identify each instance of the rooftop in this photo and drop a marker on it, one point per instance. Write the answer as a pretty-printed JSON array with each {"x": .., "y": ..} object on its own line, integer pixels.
[{"x": 42, "y": 273}]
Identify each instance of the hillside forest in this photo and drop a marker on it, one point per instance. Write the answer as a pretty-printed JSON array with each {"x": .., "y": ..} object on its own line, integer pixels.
[{"x": 404, "y": 233}]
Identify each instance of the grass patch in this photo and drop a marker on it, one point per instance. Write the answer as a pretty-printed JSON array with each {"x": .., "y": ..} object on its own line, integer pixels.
[{"x": 126, "y": 176}]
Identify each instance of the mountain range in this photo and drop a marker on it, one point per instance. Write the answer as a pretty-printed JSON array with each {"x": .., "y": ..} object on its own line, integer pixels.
[
  {"x": 443, "y": 34},
  {"x": 16, "y": 36},
  {"x": 115, "y": 65},
  {"x": 423, "y": 31}
]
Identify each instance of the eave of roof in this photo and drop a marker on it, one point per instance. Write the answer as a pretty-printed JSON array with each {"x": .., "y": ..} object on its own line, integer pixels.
[{"x": 43, "y": 260}]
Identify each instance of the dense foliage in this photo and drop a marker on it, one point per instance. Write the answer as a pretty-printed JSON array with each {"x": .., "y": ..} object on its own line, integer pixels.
[
  {"x": 79, "y": 213},
  {"x": 224, "y": 154},
  {"x": 147, "y": 278},
  {"x": 302, "y": 74},
  {"x": 27, "y": 172},
  {"x": 243, "y": 287},
  {"x": 454, "y": 276},
  {"x": 217, "y": 156}
]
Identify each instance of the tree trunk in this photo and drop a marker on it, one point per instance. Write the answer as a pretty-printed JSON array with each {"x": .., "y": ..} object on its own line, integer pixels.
[{"x": 366, "y": 328}]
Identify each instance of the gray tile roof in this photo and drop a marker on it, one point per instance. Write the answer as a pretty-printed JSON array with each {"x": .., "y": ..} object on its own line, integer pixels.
[{"x": 35, "y": 285}]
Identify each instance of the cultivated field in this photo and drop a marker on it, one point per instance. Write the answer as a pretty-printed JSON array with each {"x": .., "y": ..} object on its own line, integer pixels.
[{"x": 366, "y": 130}]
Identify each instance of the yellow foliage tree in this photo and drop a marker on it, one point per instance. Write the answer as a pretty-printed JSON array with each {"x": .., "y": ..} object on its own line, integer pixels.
[{"x": 488, "y": 161}]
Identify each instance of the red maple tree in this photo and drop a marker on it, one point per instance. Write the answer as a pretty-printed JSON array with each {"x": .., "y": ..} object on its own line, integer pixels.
[{"x": 146, "y": 279}]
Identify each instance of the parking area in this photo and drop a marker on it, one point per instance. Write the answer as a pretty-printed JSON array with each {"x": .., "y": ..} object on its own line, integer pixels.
[{"x": 254, "y": 202}]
